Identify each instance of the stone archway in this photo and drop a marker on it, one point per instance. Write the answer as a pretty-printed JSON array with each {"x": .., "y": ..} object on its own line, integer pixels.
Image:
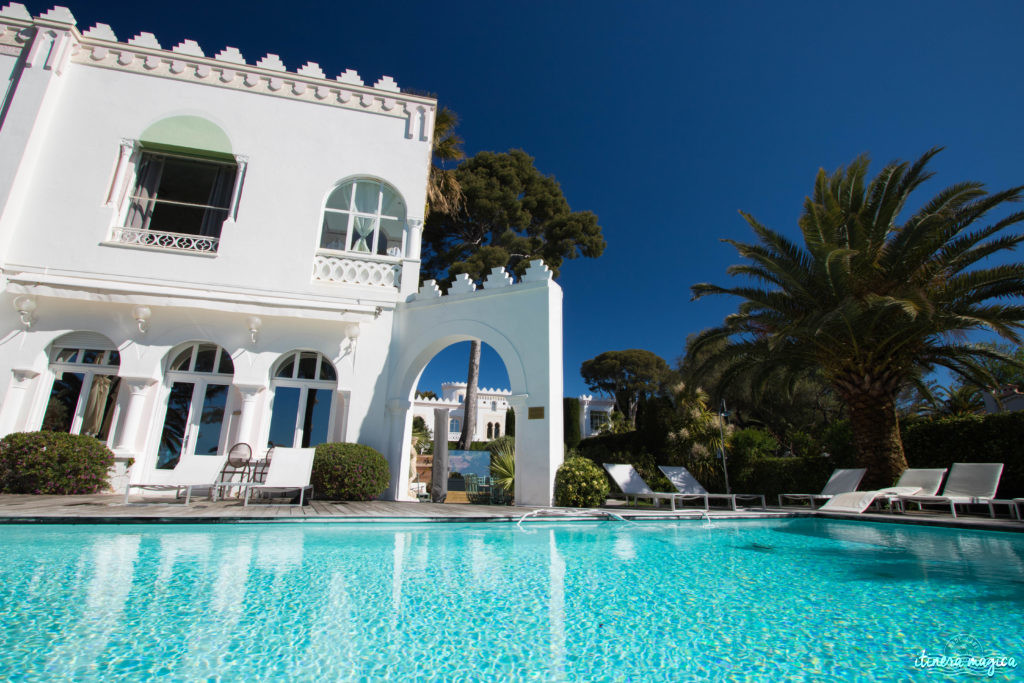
[{"x": 522, "y": 322}]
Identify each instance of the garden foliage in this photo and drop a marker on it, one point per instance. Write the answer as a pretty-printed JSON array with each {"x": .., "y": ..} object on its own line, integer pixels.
[
  {"x": 580, "y": 483},
  {"x": 348, "y": 471},
  {"x": 53, "y": 463}
]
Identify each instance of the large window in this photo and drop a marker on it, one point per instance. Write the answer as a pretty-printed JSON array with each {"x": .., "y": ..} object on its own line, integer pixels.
[
  {"x": 366, "y": 216},
  {"x": 85, "y": 385},
  {"x": 179, "y": 196},
  {"x": 200, "y": 376},
  {"x": 304, "y": 386}
]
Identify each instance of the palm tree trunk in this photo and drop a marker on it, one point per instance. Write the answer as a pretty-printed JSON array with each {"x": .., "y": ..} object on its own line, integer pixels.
[
  {"x": 876, "y": 435},
  {"x": 469, "y": 406}
]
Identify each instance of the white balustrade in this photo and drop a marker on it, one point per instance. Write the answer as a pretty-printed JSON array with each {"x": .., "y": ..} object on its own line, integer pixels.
[
  {"x": 172, "y": 241},
  {"x": 357, "y": 270}
]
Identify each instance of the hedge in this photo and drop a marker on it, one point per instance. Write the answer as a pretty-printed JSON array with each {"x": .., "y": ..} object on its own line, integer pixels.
[
  {"x": 53, "y": 463},
  {"x": 348, "y": 471},
  {"x": 997, "y": 437}
]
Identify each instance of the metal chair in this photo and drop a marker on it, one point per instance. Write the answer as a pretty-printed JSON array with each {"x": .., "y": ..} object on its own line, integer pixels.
[{"x": 237, "y": 468}]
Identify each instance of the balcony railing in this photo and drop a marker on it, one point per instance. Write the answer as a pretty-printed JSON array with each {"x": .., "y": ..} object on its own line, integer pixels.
[
  {"x": 363, "y": 269},
  {"x": 171, "y": 241}
]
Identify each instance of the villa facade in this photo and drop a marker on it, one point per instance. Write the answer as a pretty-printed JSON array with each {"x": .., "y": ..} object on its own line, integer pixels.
[{"x": 199, "y": 250}]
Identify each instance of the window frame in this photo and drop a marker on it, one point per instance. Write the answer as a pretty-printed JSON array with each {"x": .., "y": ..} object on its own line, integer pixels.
[
  {"x": 123, "y": 194},
  {"x": 352, "y": 213},
  {"x": 303, "y": 385},
  {"x": 89, "y": 371}
]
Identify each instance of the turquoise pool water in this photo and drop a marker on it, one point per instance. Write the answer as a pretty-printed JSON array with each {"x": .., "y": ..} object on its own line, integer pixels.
[{"x": 798, "y": 599}]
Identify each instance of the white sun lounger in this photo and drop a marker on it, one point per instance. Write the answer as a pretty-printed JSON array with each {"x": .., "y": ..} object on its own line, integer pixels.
[
  {"x": 194, "y": 471},
  {"x": 632, "y": 484},
  {"x": 925, "y": 482},
  {"x": 968, "y": 483},
  {"x": 841, "y": 481},
  {"x": 290, "y": 470},
  {"x": 691, "y": 489}
]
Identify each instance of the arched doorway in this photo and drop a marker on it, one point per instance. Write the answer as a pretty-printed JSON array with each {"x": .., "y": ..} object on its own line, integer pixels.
[
  {"x": 199, "y": 375},
  {"x": 442, "y": 393}
]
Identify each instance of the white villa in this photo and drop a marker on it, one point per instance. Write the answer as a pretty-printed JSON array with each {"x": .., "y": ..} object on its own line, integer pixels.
[
  {"x": 199, "y": 250},
  {"x": 492, "y": 407}
]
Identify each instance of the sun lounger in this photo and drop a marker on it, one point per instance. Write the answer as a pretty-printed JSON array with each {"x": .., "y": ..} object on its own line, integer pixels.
[
  {"x": 924, "y": 482},
  {"x": 195, "y": 471},
  {"x": 691, "y": 489},
  {"x": 290, "y": 470},
  {"x": 632, "y": 484},
  {"x": 968, "y": 483},
  {"x": 841, "y": 481}
]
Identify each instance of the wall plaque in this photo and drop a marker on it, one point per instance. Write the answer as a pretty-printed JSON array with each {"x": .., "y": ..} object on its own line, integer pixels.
[{"x": 535, "y": 413}]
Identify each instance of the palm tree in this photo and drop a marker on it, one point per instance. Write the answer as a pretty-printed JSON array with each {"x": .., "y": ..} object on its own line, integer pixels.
[
  {"x": 870, "y": 302},
  {"x": 444, "y": 194}
]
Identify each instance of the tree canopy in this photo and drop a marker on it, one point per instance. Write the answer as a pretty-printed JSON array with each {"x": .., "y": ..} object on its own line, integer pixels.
[
  {"x": 629, "y": 376},
  {"x": 870, "y": 302},
  {"x": 512, "y": 213}
]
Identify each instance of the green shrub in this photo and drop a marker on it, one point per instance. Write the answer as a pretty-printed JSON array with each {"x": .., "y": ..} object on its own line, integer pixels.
[
  {"x": 975, "y": 438},
  {"x": 571, "y": 421},
  {"x": 53, "y": 462},
  {"x": 349, "y": 471},
  {"x": 580, "y": 483}
]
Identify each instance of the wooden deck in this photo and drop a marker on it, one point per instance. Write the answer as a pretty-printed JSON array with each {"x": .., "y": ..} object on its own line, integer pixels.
[{"x": 111, "y": 509}]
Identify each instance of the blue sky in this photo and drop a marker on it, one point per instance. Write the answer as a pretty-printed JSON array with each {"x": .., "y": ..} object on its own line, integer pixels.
[{"x": 663, "y": 118}]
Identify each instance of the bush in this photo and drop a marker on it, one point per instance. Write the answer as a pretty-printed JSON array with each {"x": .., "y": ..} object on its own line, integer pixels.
[
  {"x": 975, "y": 438},
  {"x": 348, "y": 471},
  {"x": 580, "y": 483},
  {"x": 53, "y": 462}
]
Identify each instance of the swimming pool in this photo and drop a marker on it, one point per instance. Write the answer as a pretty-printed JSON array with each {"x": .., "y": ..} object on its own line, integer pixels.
[{"x": 744, "y": 600}]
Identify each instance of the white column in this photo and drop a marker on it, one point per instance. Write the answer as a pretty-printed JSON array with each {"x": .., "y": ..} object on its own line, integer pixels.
[
  {"x": 138, "y": 388},
  {"x": 398, "y": 447},
  {"x": 10, "y": 414},
  {"x": 247, "y": 419},
  {"x": 415, "y": 238},
  {"x": 439, "y": 472}
]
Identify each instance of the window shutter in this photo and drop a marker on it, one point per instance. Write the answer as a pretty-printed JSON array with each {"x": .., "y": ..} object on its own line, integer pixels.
[{"x": 84, "y": 340}]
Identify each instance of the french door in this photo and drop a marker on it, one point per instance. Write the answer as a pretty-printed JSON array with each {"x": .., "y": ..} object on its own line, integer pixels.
[{"x": 193, "y": 421}]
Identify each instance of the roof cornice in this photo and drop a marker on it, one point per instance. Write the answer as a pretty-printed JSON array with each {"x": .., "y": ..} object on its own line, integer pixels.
[{"x": 143, "y": 54}]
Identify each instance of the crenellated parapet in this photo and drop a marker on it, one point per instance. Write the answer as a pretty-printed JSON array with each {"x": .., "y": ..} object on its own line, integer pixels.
[
  {"x": 497, "y": 279},
  {"x": 143, "y": 54}
]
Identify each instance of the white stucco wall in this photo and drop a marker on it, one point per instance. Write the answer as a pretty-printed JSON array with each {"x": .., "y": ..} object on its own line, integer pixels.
[{"x": 67, "y": 147}]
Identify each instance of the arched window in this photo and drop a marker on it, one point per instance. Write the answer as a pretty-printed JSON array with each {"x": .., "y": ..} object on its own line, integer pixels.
[
  {"x": 304, "y": 384},
  {"x": 366, "y": 216},
  {"x": 200, "y": 376},
  {"x": 85, "y": 383},
  {"x": 490, "y": 430},
  {"x": 453, "y": 425},
  {"x": 497, "y": 429}
]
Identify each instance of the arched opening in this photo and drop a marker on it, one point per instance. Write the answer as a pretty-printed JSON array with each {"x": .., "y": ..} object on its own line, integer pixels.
[
  {"x": 441, "y": 390},
  {"x": 85, "y": 385},
  {"x": 198, "y": 375}
]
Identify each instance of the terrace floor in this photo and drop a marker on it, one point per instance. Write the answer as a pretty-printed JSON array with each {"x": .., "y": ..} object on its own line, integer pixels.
[{"x": 110, "y": 508}]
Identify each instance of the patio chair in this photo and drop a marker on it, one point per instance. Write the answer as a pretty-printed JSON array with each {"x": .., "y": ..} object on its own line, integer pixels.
[
  {"x": 238, "y": 468},
  {"x": 841, "y": 481},
  {"x": 921, "y": 481},
  {"x": 289, "y": 470},
  {"x": 692, "y": 489},
  {"x": 968, "y": 483},
  {"x": 632, "y": 484},
  {"x": 196, "y": 471}
]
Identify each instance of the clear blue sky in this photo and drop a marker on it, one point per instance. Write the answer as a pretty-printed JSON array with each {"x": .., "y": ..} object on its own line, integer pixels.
[{"x": 663, "y": 118}]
